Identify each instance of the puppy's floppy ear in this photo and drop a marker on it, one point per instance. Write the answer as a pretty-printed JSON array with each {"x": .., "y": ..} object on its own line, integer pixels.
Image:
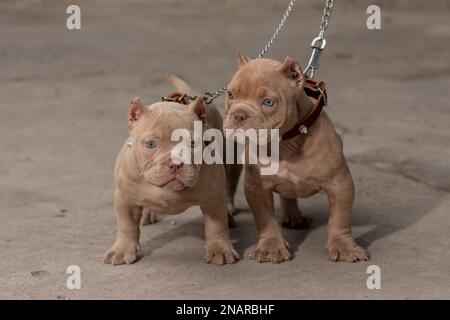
[
  {"x": 198, "y": 107},
  {"x": 135, "y": 110},
  {"x": 292, "y": 70},
  {"x": 242, "y": 59}
]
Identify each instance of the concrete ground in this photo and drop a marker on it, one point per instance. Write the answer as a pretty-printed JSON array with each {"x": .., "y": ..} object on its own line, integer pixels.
[{"x": 63, "y": 104}]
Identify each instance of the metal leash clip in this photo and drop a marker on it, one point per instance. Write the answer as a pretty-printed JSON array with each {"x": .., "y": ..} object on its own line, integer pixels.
[
  {"x": 209, "y": 97},
  {"x": 318, "y": 44}
]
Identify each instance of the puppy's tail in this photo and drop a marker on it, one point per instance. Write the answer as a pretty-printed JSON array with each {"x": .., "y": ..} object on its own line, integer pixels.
[{"x": 181, "y": 86}]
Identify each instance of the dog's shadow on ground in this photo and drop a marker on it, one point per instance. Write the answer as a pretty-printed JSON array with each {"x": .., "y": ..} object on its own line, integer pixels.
[
  {"x": 390, "y": 200},
  {"x": 244, "y": 235},
  {"x": 194, "y": 228},
  {"x": 247, "y": 237}
]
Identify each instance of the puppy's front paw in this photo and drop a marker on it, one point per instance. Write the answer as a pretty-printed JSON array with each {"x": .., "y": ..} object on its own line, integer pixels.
[
  {"x": 122, "y": 252},
  {"x": 220, "y": 253},
  {"x": 344, "y": 248},
  {"x": 275, "y": 250}
]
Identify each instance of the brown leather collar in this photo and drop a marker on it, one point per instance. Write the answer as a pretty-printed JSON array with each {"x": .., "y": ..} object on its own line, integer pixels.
[
  {"x": 178, "y": 97},
  {"x": 316, "y": 90}
]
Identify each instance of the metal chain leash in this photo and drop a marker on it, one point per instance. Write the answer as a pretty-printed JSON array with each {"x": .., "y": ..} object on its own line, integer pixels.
[
  {"x": 278, "y": 29},
  {"x": 318, "y": 44},
  {"x": 209, "y": 97},
  {"x": 326, "y": 17}
]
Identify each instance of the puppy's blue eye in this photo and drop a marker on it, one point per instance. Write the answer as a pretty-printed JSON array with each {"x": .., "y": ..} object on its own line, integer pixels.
[
  {"x": 268, "y": 102},
  {"x": 230, "y": 95},
  {"x": 151, "y": 144}
]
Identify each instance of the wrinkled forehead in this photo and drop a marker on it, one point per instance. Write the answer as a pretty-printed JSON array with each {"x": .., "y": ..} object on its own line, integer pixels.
[
  {"x": 256, "y": 76},
  {"x": 162, "y": 118}
]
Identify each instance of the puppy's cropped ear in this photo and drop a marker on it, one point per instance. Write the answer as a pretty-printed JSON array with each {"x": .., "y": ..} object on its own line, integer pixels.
[
  {"x": 135, "y": 110},
  {"x": 242, "y": 59},
  {"x": 198, "y": 107},
  {"x": 292, "y": 70}
]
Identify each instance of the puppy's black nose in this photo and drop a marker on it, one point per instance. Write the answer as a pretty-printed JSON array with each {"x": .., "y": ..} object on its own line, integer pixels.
[
  {"x": 175, "y": 167},
  {"x": 239, "y": 116}
]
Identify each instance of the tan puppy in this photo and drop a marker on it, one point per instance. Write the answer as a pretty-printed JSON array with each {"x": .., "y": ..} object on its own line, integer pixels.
[
  {"x": 233, "y": 171},
  {"x": 266, "y": 94},
  {"x": 148, "y": 181}
]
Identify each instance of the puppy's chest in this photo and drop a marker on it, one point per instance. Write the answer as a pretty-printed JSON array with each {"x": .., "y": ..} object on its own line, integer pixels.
[
  {"x": 167, "y": 206},
  {"x": 291, "y": 180},
  {"x": 165, "y": 203}
]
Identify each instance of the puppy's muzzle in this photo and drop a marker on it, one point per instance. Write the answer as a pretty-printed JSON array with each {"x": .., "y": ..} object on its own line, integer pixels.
[
  {"x": 239, "y": 116},
  {"x": 173, "y": 167}
]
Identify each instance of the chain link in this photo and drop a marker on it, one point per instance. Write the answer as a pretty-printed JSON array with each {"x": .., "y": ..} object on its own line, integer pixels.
[
  {"x": 278, "y": 28},
  {"x": 326, "y": 17}
]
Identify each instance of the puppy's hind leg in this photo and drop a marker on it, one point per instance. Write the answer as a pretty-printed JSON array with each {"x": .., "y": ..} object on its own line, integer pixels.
[
  {"x": 292, "y": 216},
  {"x": 341, "y": 245},
  {"x": 148, "y": 217},
  {"x": 233, "y": 172}
]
